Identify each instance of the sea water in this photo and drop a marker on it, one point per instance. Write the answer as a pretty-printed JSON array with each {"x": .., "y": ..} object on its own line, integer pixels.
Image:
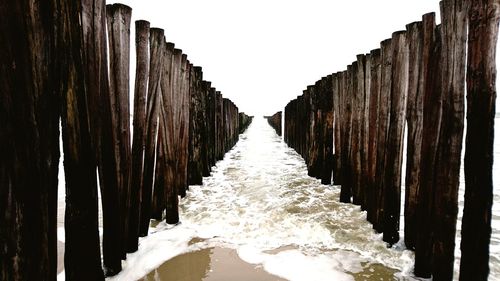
[{"x": 260, "y": 202}]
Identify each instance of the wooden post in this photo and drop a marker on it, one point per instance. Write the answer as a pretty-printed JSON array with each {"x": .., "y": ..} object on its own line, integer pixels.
[
  {"x": 394, "y": 144},
  {"x": 358, "y": 94},
  {"x": 430, "y": 136},
  {"x": 326, "y": 106},
  {"x": 82, "y": 257},
  {"x": 101, "y": 125},
  {"x": 29, "y": 138},
  {"x": 383, "y": 128},
  {"x": 345, "y": 125},
  {"x": 118, "y": 18},
  {"x": 454, "y": 31},
  {"x": 140, "y": 131},
  {"x": 156, "y": 46},
  {"x": 337, "y": 178},
  {"x": 171, "y": 91},
  {"x": 484, "y": 17},
  {"x": 366, "y": 189},
  {"x": 183, "y": 127},
  {"x": 205, "y": 152},
  {"x": 373, "y": 120},
  {"x": 419, "y": 52},
  {"x": 218, "y": 126},
  {"x": 196, "y": 129},
  {"x": 212, "y": 117}
]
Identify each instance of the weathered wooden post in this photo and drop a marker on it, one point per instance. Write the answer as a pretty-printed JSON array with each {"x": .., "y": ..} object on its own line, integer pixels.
[
  {"x": 101, "y": 125},
  {"x": 156, "y": 46},
  {"x": 454, "y": 31},
  {"x": 326, "y": 106},
  {"x": 365, "y": 134},
  {"x": 430, "y": 137},
  {"x": 196, "y": 129},
  {"x": 82, "y": 257},
  {"x": 337, "y": 178},
  {"x": 172, "y": 99},
  {"x": 212, "y": 117},
  {"x": 394, "y": 152},
  {"x": 373, "y": 120},
  {"x": 358, "y": 94},
  {"x": 206, "y": 125},
  {"x": 140, "y": 131},
  {"x": 481, "y": 94},
  {"x": 345, "y": 125},
  {"x": 29, "y": 137},
  {"x": 420, "y": 35},
  {"x": 219, "y": 127},
  {"x": 183, "y": 127},
  {"x": 118, "y": 19},
  {"x": 383, "y": 128}
]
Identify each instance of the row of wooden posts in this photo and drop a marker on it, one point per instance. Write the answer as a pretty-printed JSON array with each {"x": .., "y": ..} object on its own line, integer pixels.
[
  {"x": 54, "y": 68},
  {"x": 275, "y": 122},
  {"x": 350, "y": 126}
]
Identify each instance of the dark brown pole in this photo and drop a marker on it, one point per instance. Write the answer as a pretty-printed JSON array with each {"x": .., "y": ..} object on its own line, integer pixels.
[
  {"x": 430, "y": 137},
  {"x": 101, "y": 125},
  {"x": 171, "y": 100},
  {"x": 345, "y": 125},
  {"x": 140, "y": 131},
  {"x": 82, "y": 256},
  {"x": 327, "y": 128},
  {"x": 337, "y": 179},
  {"x": 29, "y": 139},
  {"x": 484, "y": 17},
  {"x": 414, "y": 110},
  {"x": 454, "y": 28},
  {"x": 358, "y": 96},
  {"x": 373, "y": 121},
  {"x": 394, "y": 144},
  {"x": 156, "y": 46},
  {"x": 383, "y": 128},
  {"x": 118, "y": 19},
  {"x": 196, "y": 128},
  {"x": 365, "y": 133}
]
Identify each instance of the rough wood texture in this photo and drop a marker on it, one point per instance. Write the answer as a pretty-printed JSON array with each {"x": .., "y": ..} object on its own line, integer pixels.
[
  {"x": 205, "y": 87},
  {"x": 101, "y": 124},
  {"x": 156, "y": 46},
  {"x": 454, "y": 31},
  {"x": 82, "y": 257},
  {"x": 373, "y": 122},
  {"x": 183, "y": 127},
  {"x": 484, "y": 17},
  {"x": 430, "y": 136},
  {"x": 336, "y": 128},
  {"x": 383, "y": 129},
  {"x": 326, "y": 107},
  {"x": 118, "y": 19},
  {"x": 420, "y": 36},
  {"x": 346, "y": 107},
  {"x": 275, "y": 122},
  {"x": 394, "y": 153},
  {"x": 196, "y": 129},
  {"x": 30, "y": 156},
  {"x": 140, "y": 131},
  {"x": 358, "y": 90},
  {"x": 365, "y": 132},
  {"x": 171, "y": 90}
]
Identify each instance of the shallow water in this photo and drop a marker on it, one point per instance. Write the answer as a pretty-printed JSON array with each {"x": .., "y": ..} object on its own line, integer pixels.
[{"x": 260, "y": 202}]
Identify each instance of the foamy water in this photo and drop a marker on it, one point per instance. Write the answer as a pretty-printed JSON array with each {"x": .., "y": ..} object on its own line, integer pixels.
[{"x": 260, "y": 202}]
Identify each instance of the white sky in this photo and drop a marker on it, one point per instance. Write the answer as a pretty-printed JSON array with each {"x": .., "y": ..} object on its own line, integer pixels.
[{"x": 263, "y": 53}]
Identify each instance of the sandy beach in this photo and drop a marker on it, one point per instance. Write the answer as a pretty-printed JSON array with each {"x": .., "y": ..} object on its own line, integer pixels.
[{"x": 212, "y": 264}]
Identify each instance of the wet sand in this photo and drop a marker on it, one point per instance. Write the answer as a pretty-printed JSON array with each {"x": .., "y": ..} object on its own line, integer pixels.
[{"x": 212, "y": 264}]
